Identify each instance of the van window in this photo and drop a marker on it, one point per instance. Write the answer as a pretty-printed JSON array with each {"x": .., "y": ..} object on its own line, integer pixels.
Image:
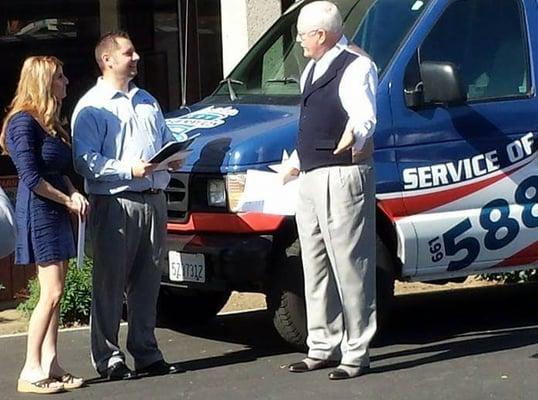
[
  {"x": 487, "y": 42},
  {"x": 384, "y": 26},
  {"x": 271, "y": 70}
]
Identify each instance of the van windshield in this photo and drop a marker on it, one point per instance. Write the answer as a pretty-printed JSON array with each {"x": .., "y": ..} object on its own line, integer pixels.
[{"x": 271, "y": 70}]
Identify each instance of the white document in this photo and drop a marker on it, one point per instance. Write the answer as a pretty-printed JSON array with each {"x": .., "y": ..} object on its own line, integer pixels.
[
  {"x": 172, "y": 151},
  {"x": 181, "y": 155},
  {"x": 81, "y": 239},
  {"x": 266, "y": 193}
]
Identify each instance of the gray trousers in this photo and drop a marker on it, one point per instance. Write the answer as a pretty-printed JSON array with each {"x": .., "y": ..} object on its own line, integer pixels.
[
  {"x": 336, "y": 223},
  {"x": 128, "y": 233}
]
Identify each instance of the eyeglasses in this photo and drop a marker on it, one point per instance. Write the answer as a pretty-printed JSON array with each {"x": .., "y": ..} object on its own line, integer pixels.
[{"x": 301, "y": 35}]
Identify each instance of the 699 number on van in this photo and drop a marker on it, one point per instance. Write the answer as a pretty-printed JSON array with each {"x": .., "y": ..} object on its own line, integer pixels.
[{"x": 494, "y": 217}]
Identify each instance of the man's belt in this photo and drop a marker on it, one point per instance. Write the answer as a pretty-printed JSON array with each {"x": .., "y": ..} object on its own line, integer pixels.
[{"x": 147, "y": 191}]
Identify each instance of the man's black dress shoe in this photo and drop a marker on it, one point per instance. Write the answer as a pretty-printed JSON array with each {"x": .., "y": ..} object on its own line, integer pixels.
[
  {"x": 118, "y": 372},
  {"x": 160, "y": 367},
  {"x": 311, "y": 364},
  {"x": 350, "y": 372}
]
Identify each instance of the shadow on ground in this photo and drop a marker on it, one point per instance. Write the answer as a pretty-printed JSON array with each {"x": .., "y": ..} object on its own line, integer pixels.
[
  {"x": 460, "y": 323},
  {"x": 441, "y": 325},
  {"x": 253, "y": 329},
  {"x": 430, "y": 317}
]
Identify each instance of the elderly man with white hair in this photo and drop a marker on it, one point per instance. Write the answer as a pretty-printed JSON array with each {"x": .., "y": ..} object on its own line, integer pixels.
[{"x": 336, "y": 210}]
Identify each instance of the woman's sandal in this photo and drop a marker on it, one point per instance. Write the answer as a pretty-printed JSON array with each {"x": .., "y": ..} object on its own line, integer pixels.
[
  {"x": 69, "y": 381},
  {"x": 43, "y": 386}
]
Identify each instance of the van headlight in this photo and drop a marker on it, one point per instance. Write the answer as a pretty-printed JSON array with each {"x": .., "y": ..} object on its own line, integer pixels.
[
  {"x": 227, "y": 191},
  {"x": 235, "y": 186},
  {"x": 216, "y": 193}
]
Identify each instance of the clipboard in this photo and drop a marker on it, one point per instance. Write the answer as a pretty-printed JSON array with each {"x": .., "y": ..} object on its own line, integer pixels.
[{"x": 170, "y": 149}]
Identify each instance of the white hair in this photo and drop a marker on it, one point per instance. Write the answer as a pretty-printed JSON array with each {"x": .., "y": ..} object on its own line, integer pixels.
[{"x": 320, "y": 15}]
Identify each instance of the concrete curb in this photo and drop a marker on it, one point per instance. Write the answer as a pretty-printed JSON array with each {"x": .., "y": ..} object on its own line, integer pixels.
[{"x": 81, "y": 328}]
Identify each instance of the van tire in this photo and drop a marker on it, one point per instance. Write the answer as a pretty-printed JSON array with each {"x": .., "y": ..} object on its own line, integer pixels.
[
  {"x": 178, "y": 307},
  {"x": 285, "y": 298},
  {"x": 384, "y": 284}
]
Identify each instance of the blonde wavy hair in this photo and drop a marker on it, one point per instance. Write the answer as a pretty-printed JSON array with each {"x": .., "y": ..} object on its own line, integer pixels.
[{"x": 34, "y": 96}]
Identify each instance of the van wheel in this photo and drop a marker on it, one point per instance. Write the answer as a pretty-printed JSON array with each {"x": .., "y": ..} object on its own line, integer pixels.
[
  {"x": 285, "y": 296},
  {"x": 384, "y": 284},
  {"x": 180, "y": 307},
  {"x": 285, "y": 299}
]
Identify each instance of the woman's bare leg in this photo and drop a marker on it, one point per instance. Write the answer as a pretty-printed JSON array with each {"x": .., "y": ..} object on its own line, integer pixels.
[
  {"x": 49, "y": 349},
  {"x": 50, "y": 278}
]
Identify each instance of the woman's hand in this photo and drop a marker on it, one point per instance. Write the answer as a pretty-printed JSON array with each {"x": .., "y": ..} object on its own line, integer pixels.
[{"x": 78, "y": 204}]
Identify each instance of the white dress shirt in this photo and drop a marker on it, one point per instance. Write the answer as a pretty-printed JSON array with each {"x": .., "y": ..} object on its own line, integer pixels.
[{"x": 357, "y": 92}]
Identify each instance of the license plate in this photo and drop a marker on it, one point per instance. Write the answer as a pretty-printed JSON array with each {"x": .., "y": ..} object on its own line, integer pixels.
[{"x": 186, "y": 267}]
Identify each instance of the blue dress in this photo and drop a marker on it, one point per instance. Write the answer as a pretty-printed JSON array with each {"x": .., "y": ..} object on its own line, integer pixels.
[{"x": 45, "y": 233}]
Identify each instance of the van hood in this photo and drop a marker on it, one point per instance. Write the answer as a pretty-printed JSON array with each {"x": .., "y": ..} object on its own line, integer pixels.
[{"x": 234, "y": 138}]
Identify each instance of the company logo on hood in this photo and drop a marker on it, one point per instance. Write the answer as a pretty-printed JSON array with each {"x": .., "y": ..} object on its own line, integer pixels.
[{"x": 206, "y": 118}]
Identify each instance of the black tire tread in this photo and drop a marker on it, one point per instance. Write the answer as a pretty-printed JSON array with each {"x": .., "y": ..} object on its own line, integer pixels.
[
  {"x": 284, "y": 323},
  {"x": 285, "y": 297}
]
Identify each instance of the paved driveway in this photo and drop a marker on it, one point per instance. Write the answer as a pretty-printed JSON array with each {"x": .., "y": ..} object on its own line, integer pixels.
[{"x": 473, "y": 344}]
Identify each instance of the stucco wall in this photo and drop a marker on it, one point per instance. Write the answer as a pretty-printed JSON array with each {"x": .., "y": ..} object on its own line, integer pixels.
[{"x": 243, "y": 22}]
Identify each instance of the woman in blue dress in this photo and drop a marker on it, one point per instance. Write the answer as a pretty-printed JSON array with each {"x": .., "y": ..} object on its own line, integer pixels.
[{"x": 38, "y": 144}]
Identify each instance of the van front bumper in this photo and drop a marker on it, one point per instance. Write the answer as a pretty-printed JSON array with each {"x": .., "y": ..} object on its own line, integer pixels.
[{"x": 232, "y": 262}]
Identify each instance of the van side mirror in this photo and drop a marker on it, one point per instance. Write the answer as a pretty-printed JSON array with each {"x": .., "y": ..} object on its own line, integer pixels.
[
  {"x": 441, "y": 83},
  {"x": 435, "y": 83}
]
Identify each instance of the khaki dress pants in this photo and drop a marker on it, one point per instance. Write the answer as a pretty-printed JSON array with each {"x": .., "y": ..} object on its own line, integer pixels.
[{"x": 336, "y": 223}]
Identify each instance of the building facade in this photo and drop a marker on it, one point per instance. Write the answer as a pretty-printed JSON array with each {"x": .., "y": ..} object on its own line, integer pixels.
[{"x": 186, "y": 47}]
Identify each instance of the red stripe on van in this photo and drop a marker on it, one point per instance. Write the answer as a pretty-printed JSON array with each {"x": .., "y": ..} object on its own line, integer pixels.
[
  {"x": 426, "y": 202},
  {"x": 227, "y": 223},
  {"x": 528, "y": 255}
]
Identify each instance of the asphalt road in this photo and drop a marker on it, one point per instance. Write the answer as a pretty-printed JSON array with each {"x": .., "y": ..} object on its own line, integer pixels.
[{"x": 478, "y": 343}]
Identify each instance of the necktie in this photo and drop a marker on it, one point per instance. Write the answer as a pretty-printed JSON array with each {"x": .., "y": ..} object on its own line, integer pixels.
[{"x": 310, "y": 76}]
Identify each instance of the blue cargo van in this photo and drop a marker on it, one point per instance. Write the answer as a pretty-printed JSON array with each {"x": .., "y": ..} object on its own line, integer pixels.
[{"x": 455, "y": 160}]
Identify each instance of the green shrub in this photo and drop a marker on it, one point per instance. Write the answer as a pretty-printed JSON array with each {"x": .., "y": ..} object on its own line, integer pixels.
[
  {"x": 76, "y": 301},
  {"x": 530, "y": 275}
]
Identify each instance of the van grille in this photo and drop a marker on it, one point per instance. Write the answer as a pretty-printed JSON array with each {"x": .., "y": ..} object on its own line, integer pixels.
[{"x": 177, "y": 197}]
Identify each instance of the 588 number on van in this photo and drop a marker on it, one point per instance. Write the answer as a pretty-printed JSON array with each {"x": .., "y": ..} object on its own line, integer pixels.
[{"x": 501, "y": 228}]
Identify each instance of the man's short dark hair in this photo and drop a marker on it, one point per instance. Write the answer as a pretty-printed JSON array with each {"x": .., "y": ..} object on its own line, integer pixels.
[{"x": 108, "y": 43}]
